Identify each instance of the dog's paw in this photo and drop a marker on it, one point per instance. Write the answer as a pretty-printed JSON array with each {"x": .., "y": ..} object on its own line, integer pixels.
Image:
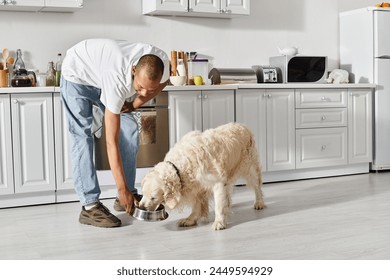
[
  {"x": 186, "y": 223},
  {"x": 259, "y": 205},
  {"x": 218, "y": 225}
]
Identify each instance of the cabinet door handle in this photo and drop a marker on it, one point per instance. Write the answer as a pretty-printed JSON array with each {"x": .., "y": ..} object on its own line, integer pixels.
[
  {"x": 16, "y": 101},
  {"x": 354, "y": 94},
  {"x": 206, "y": 96},
  {"x": 323, "y": 118},
  {"x": 323, "y": 99},
  {"x": 199, "y": 96}
]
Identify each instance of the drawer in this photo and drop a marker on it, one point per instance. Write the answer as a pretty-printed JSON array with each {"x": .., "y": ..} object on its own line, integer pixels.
[
  {"x": 320, "y": 98},
  {"x": 311, "y": 118},
  {"x": 321, "y": 147}
]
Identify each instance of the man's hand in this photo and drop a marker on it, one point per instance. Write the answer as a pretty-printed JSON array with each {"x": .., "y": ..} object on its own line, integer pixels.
[
  {"x": 143, "y": 98},
  {"x": 126, "y": 200},
  {"x": 127, "y": 107}
]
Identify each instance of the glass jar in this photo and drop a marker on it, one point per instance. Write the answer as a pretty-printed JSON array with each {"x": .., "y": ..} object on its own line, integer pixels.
[
  {"x": 50, "y": 74},
  {"x": 19, "y": 63},
  {"x": 22, "y": 79}
]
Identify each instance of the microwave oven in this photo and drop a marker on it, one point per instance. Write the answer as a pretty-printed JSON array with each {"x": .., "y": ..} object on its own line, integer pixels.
[{"x": 301, "y": 69}]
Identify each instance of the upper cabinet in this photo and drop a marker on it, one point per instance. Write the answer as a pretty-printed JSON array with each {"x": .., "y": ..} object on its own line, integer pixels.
[
  {"x": 62, "y": 5},
  {"x": 41, "y": 5},
  {"x": 21, "y": 5},
  {"x": 196, "y": 8}
]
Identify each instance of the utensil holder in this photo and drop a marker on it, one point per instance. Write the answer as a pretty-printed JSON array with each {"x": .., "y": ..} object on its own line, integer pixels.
[{"x": 4, "y": 78}]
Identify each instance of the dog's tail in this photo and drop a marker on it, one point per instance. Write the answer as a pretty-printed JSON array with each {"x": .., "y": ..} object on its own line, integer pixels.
[{"x": 251, "y": 147}]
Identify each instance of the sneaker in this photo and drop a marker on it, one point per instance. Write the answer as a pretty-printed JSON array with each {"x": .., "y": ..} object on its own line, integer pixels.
[
  {"x": 118, "y": 207},
  {"x": 99, "y": 216}
]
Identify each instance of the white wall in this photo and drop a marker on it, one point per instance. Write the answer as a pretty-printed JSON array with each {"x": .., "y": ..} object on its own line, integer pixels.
[{"x": 310, "y": 25}]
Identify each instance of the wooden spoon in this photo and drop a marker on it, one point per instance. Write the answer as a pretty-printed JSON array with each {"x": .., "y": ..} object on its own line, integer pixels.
[
  {"x": 5, "y": 56},
  {"x": 10, "y": 60}
]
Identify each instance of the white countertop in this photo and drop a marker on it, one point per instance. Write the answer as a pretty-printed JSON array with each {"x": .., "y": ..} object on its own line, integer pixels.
[
  {"x": 28, "y": 89},
  {"x": 205, "y": 87},
  {"x": 306, "y": 85},
  {"x": 267, "y": 85}
]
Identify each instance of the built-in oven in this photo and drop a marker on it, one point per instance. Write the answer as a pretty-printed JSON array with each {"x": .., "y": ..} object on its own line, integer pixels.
[{"x": 152, "y": 119}]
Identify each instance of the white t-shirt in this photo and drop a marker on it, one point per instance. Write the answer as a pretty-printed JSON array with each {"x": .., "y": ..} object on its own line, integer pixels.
[{"x": 107, "y": 64}]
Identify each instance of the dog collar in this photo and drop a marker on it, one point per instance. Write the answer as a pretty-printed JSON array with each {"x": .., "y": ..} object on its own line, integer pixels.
[{"x": 177, "y": 170}]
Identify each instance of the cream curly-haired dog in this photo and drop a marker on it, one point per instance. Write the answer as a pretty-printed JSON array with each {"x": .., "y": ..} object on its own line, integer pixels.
[{"x": 202, "y": 164}]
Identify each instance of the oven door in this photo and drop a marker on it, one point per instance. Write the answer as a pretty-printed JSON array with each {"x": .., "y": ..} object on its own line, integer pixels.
[
  {"x": 153, "y": 135},
  {"x": 153, "y": 138}
]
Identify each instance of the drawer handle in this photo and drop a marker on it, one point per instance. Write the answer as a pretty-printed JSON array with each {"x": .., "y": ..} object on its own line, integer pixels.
[
  {"x": 323, "y": 148},
  {"x": 323, "y": 118},
  {"x": 324, "y": 99}
]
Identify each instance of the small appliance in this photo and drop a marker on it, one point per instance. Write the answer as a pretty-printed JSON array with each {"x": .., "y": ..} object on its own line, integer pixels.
[
  {"x": 301, "y": 69},
  {"x": 268, "y": 74},
  {"x": 232, "y": 76}
]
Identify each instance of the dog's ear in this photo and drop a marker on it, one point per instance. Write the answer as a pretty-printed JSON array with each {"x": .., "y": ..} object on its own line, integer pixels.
[
  {"x": 171, "y": 184},
  {"x": 172, "y": 193}
]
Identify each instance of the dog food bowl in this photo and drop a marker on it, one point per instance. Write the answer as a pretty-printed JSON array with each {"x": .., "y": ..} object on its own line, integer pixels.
[{"x": 150, "y": 216}]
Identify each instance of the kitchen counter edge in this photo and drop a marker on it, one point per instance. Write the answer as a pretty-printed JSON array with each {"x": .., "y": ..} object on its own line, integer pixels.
[
  {"x": 268, "y": 86},
  {"x": 28, "y": 89},
  {"x": 207, "y": 87}
]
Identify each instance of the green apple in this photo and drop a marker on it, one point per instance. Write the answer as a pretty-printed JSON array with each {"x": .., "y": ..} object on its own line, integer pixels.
[{"x": 198, "y": 80}]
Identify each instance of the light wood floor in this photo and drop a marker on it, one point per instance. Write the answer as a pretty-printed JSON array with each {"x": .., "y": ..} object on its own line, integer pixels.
[{"x": 334, "y": 218}]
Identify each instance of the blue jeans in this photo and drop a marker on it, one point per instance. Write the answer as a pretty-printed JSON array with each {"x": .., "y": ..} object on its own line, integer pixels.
[{"x": 78, "y": 100}]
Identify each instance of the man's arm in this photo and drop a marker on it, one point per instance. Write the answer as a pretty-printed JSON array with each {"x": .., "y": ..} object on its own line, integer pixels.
[
  {"x": 112, "y": 127},
  {"x": 140, "y": 100}
]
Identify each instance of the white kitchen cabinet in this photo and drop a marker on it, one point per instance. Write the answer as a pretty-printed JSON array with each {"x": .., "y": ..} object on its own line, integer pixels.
[
  {"x": 62, "y": 148},
  {"x": 62, "y": 5},
  {"x": 185, "y": 114},
  {"x": 157, "y": 7},
  {"x": 197, "y": 8},
  {"x": 280, "y": 129},
  {"x": 6, "y": 161},
  {"x": 233, "y": 7},
  {"x": 360, "y": 125},
  {"x": 41, "y": 5},
  {"x": 270, "y": 115},
  {"x": 33, "y": 142},
  {"x": 321, "y": 122},
  {"x": 217, "y": 108},
  {"x": 251, "y": 111},
  {"x": 198, "y": 110},
  {"x": 321, "y": 147},
  {"x": 21, "y": 5}
]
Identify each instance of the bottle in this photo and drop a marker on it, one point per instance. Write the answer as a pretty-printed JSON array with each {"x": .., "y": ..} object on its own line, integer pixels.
[
  {"x": 58, "y": 70},
  {"x": 19, "y": 63},
  {"x": 50, "y": 74},
  {"x": 181, "y": 69}
]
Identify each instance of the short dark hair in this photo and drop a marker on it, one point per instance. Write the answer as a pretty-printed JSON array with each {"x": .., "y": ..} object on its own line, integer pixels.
[{"x": 153, "y": 65}]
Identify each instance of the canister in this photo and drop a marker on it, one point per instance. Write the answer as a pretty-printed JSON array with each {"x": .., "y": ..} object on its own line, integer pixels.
[{"x": 198, "y": 67}]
